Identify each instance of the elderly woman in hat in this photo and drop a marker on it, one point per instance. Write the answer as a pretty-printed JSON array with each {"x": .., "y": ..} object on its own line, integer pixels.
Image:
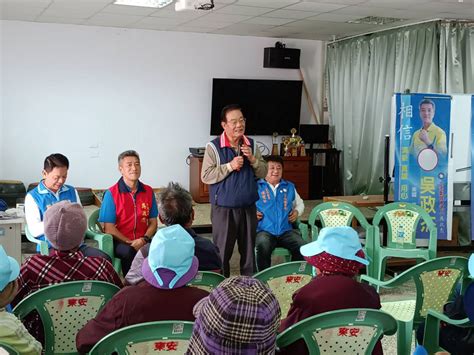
[
  {"x": 240, "y": 316},
  {"x": 164, "y": 293},
  {"x": 337, "y": 256},
  {"x": 12, "y": 331},
  {"x": 65, "y": 225}
]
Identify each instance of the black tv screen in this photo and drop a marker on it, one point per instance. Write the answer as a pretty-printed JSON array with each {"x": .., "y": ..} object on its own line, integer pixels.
[{"x": 268, "y": 105}]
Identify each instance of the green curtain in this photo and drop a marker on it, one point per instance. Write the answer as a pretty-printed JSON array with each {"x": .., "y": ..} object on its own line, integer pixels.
[
  {"x": 457, "y": 42},
  {"x": 363, "y": 74}
]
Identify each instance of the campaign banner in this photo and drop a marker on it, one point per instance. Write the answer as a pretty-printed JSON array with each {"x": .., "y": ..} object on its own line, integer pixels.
[{"x": 422, "y": 133}]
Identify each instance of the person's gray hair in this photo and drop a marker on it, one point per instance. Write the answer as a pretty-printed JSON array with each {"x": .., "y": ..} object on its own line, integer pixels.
[
  {"x": 175, "y": 205},
  {"x": 128, "y": 153}
]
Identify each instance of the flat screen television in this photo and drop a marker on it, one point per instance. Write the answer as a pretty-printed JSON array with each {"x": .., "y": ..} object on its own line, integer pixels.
[{"x": 268, "y": 105}]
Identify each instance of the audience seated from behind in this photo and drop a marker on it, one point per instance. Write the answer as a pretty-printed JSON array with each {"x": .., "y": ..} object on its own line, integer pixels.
[
  {"x": 457, "y": 340},
  {"x": 12, "y": 331},
  {"x": 163, "y": 295},
  {"x": 175, "y": 206},
  {"x": 50, "y": 190},
  {"x": 65, "y": 224},
  {"x": 278, "y": 207},
  {"x": 240, "y": 316},
  {"x": 337, "y": 256}
]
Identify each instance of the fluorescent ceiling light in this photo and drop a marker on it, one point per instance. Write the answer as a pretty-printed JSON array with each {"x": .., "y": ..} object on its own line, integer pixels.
[{"x": 144, "y": 3}]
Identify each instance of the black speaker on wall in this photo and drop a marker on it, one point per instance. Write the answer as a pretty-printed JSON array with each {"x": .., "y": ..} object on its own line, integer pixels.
[{"x": 287, "y": 58}]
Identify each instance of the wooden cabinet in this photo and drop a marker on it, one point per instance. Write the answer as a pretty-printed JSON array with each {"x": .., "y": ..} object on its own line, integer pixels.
[
  {"x": 199, "y": 190},
  {"x": 296, "y": 170}
]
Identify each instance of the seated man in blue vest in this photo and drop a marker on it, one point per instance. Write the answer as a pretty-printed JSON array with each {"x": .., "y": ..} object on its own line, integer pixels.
[
  {"x": 278, "y": 207},
  {"x": 50, "y": 190}
]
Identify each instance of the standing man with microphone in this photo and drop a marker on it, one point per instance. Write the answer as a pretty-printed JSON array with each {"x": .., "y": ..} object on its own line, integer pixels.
[{"x": 232, "y": 163}]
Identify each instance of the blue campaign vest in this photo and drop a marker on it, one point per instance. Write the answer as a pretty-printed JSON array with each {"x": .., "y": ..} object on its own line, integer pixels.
[
  {"x": 239, "y": 188},
  {"x": 275, "y": 208},
  {"x": 45, "y": 198}
]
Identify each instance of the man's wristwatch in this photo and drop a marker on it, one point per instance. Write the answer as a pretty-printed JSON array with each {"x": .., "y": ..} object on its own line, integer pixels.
[{"x": 146, "y": 239}]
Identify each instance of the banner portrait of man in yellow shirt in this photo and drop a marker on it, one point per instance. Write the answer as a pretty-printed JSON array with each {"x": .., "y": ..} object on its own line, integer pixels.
[{"x": 429, "y": 136}]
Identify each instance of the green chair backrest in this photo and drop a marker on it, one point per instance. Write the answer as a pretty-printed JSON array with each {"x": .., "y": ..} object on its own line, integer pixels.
[
  {"x": 403, "y": 219},
  {"x": 344, "y": 331},
  {"x": 147, "y": 338},
  {"x": 435, "y": 281},
  {"x": 206, "y": 280},
  {"x": 64, "y": 309},
  {"x": 93, "y": 222},
  {"x": 105, "y": 241},
  {"x": 284, "y": 279},
  {"x": 43, "y": 245},
  {"x": 335, "y": 214},
  {"x": 433, "y": 319},
  {"x": 9, "y": 349}
]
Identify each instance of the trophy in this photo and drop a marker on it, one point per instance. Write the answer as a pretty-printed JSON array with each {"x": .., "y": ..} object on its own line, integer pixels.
[
  {"x": 294, "y": 145},
  {"x": 302, "y": 149},
  {"x": 274, "y": 143},
  {"x": 286, "y": 143}
]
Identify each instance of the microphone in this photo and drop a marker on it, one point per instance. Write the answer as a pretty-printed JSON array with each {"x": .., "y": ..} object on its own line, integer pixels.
[{"x": 240, "y": 144}]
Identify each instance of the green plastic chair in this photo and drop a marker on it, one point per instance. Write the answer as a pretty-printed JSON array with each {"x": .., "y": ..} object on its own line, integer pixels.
[
  {"x": 43, "y": 245},
  {"x": 147, "y": 338},
  {"x": 337, "y": 214},
  {"x": 64, "y": 309},
  {"x": 435, "y": 281},
  {"x": 206, "y": 280},
  {"x": 403, "y": 217},
  {"x": 432, "y": 326},
  {"x": 9, "y": 349},
  {"x": 285, "y": 279},
  {"x": 107, "y": 240},
  {"x": 355, "y": 331}
]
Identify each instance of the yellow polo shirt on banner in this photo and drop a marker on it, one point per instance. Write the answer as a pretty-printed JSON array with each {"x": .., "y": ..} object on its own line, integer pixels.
[{"x": 435, "y": 134}]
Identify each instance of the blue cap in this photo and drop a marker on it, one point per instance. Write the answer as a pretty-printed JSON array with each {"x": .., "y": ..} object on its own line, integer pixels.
[
  {"x": 471, "y": 265},
  {"x": 9, "y": 269},
  {"x": 171, "y": 249},
  {"x": 420, "y": 350},
  {"x": 342, "y": 242}
]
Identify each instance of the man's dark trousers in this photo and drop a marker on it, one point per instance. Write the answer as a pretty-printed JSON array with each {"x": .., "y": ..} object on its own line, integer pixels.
[{"x": 235, "y": 224}]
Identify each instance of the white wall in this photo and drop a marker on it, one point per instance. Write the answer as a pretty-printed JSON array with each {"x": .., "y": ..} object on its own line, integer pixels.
[{"x": 92, "y": 92}]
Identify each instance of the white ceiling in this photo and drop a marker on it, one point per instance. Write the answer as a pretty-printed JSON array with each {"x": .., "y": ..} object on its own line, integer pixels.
[{"x": 319, "y": 19}]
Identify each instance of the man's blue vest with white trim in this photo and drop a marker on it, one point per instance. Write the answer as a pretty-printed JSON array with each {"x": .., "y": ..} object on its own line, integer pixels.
[
  {"x": 239, "y": 188},
  {"x": 275, "y": 207},
  {"x": 45, "y": 198}
]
